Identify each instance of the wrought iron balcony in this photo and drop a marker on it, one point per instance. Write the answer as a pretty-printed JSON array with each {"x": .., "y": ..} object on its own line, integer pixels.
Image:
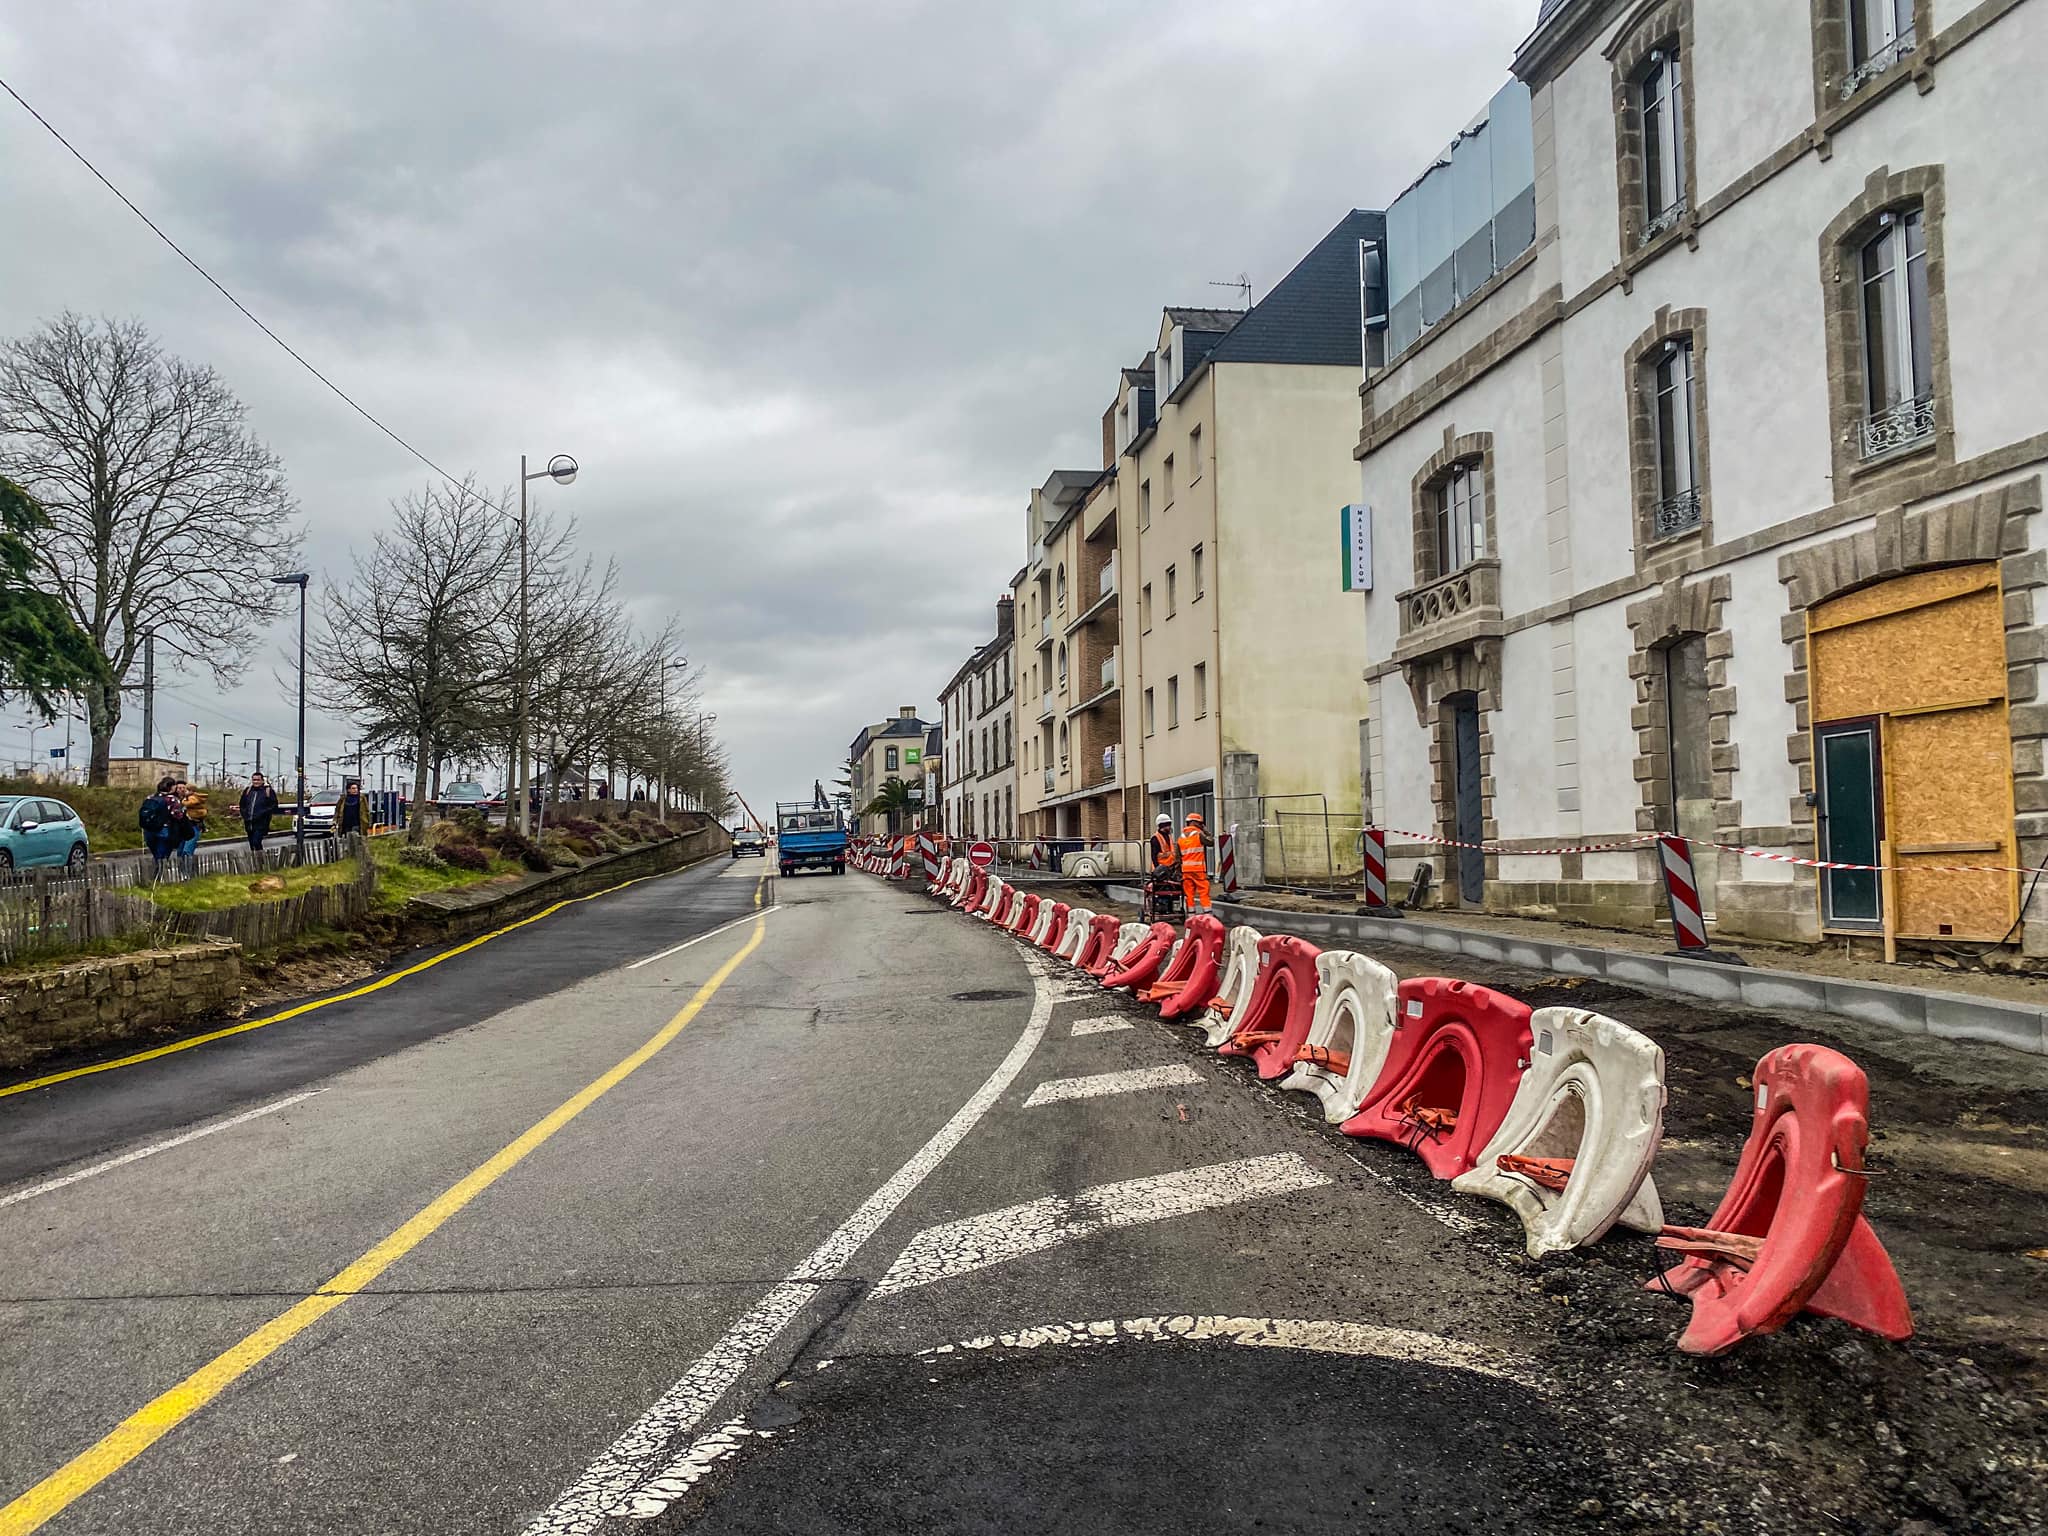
[
  {"x": 1675, "y": 515},
  {"x": 1663, "y": 221},
  {"x": 1897, "y": 426},
  {"x": 1880, "y": 62},
  {"x": 1453, "y": 609}
]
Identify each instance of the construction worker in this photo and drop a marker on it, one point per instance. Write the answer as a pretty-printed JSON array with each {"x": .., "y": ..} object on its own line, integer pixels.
[
  {"x": 1165, "y": 852},
  {"x": 1194, "y": 862}
]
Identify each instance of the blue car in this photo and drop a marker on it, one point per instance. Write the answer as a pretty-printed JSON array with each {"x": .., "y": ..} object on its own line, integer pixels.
[{"x": 34, "y": 831}]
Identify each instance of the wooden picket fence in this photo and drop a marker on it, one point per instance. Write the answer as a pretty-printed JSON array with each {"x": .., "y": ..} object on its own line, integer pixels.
[{"x": 51, "y": 911}]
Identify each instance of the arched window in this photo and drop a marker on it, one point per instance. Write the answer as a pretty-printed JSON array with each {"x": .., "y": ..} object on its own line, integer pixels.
[
  {"x": 1059, "y": 585},
  {"x": 1062, "y": 663},
  {"x": 1063, "y": 745}
]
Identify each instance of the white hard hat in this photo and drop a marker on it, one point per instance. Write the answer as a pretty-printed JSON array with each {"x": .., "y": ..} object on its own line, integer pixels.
[{"x": 1165, "y": 820}]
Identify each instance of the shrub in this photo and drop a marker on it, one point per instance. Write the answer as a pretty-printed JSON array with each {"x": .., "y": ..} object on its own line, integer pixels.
[
  {"x": 580, "y": 826},
  {"x": 466, "y": 856},
  {"x": 421, "y": 858},
  {"x": 514, "y": 844}
]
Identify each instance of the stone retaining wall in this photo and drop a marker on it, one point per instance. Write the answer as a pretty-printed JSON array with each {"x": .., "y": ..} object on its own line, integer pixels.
[{"x": 92, "y": 1002}]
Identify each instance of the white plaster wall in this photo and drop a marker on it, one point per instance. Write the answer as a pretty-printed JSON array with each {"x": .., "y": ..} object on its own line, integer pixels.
[
  {"x": 1766, "y": 781},
  {"x": 1607, "y": 742},
  {"x": 1596, "y": 444},
  {"x": 1409, "y": 801},
  {"x": 1588, "y": 218},
  {"x": 1948, "y": 12},
  {"x": 1524, "y": 752},
  {"x": 1752, "y": 72}
]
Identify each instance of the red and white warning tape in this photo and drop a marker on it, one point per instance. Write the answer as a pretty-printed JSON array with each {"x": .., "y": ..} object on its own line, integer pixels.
[{"x": 1699, "y": 842}]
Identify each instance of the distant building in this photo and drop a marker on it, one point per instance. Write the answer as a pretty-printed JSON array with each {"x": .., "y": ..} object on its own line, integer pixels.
[
  {"x": 979, "y": 725},
  {"x": 889, "y": 749}
]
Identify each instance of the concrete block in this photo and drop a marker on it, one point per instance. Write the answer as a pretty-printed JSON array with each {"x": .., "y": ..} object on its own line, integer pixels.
[
  {"x": 1572, "y": 960},
  {"x": 1953, "y": 1016},
  {"x": 1632, "y": 969},
  {"x": 1783, "y": 989},
  {"x": 1524, "y": 952},
  {"x": 1703, "y": 979},
  {"x": 1484, "y": 946},
  {"x": 1887, "y": 1007}
]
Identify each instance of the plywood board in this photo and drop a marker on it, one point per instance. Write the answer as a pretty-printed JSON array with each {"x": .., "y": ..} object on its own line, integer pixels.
[
  {"x": 1942, "y": 653},
  {"x": 1948, "y": 780},
  {"x": 1912, "y": 591}
]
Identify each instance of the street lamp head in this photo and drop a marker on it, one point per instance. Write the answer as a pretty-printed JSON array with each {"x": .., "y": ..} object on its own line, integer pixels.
[
  {"x": 562, "y": 469},
  {"x": 296, "y": 579}
]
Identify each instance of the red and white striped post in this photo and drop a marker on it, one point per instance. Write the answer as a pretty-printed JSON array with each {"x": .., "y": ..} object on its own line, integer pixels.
[
  {"x": 1226, "y": 861},
  {"x": 1373, "y": 845},
  {"x": 928, "y": 854},
  {"x": 1688, "y": 914}
]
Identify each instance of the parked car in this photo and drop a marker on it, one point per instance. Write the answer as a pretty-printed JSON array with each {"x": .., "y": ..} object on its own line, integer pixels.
[
  {"x": 747, "y": 840},
  {"x": 318, "y": 816},
  {"x": 467, "y": 795},
  {"x": 35, "y": 832}
]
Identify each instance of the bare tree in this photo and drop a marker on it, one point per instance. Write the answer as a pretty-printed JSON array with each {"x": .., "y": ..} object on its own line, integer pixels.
[
  {"x": 407, "y": 649},
  {"x": 166, "y": 514}
]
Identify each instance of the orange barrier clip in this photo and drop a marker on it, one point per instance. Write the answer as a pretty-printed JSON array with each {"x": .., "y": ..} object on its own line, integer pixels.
[
  {"x": 1322, "y": 1056},
  {"x": 1550, "y": 1172}
]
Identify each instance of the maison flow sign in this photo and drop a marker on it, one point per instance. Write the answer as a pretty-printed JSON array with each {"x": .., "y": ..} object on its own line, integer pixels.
[{"x": 1356, "y": 521}]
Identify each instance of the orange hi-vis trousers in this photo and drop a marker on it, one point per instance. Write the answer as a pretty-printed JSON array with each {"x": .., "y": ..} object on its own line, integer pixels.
[{"x": 1194, "y": 870}]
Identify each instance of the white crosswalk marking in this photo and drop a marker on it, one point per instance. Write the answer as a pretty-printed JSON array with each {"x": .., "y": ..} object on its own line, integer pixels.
[
  {"x": 1100, "y": 1025},
  {"x": 1101, "y": 1083},
  {"x": 979, "y": 1242}
]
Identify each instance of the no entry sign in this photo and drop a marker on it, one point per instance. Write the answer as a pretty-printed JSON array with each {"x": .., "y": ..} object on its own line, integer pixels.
[{"x": 981, "y": 855}]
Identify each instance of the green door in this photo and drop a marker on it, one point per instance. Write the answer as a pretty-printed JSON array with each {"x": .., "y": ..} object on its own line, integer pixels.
[{"x": 1851, "y": 824}]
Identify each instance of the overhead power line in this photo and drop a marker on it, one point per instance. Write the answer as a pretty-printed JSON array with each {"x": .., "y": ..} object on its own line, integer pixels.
[{"x": 248, "y": 314}]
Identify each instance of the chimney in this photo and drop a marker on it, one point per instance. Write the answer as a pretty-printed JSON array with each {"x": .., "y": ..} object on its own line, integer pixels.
[
  {"x": 1005, "y": 609},
  {"x": 906, "y": 712}
]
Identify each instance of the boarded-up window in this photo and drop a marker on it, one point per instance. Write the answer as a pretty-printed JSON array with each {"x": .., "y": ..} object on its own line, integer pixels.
[
  {"x": 1691, "y": 754},
  {"x": 1925, "y": 655}
]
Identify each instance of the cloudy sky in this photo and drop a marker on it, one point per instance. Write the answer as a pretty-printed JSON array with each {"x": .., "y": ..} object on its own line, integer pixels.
[{"x": 815, "y": 292}]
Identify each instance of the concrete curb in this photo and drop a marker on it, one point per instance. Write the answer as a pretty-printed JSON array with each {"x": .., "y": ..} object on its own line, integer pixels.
[
  {"x": 1910, "y": 1010},
  {"x": 434, "y": 919}
]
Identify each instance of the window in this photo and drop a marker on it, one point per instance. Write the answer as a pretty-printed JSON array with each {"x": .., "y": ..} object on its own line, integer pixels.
[
  {"x": 1144, "y": 504},
  {"x": 1063, "y": 748},
  {"x": 1063, "y": 667},
  {"x": 1169, "y": 592},
  {"x": 1150, "y": 721},
  {"x": 1145, "y": 608},
  {"x": 890, "y": 761},
  {"x": 1898, "y": 335},
  {"x": 1060, "y": 586},
  {"x": 1881, "y": 32},
  {"x": 1195, "y": 572},
  {"x": 1009, "y": 742},
  {"x": 1194, "y": 454},
  {"x": 1123, "y": 426},
  {"x": 1671, "y": 388},
  {"x": 1460, "y": 520},
  {"x": 1662, "y": 104},
  {"x": 1201, "y": 689},
  {"x": 1166, "y": 479},
  {"x": 1173, "y": 703}
]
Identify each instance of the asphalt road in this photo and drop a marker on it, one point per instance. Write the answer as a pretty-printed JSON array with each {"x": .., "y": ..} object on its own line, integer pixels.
[{"x": 849, "y": 1216}]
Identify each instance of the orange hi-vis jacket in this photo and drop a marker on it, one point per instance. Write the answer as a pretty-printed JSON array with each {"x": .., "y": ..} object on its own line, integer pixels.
[
  {"x": 1163, "y": 850},
  {"x": 1193, "y": 860}
]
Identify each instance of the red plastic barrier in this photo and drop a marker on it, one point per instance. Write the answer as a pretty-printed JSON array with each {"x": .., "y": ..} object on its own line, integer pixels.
[
  {"x": 1789, "y": 1236},
  {"x": 1282, "y": 1006},
  {"x": 1142, "y": 963},
  {"x": 977, "y": 891},
  {"x": 1094, "y": 953},
  {"x": 1058, "y": 930},
  {"x": 1027, "y": 913},
  {"x": 1190, "y": 981},
  {"x": 1458, "y": 1053}
]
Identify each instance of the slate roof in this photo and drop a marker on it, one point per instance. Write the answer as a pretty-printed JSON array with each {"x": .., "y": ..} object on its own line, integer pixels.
[{"x": 1311, "y": 316}]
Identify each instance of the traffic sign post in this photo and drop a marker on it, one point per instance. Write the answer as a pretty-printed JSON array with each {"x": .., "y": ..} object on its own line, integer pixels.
[{"x": 982, "y": 855}]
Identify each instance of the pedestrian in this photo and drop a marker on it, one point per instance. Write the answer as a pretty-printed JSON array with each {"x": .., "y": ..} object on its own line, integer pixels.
[
  {"x": 1165, "y": 853},
  {"x": 259, "y": 804},
  {"x": 154, "y": 818},
  {"x": 188, "y": 823},
  {"x": 1194, "y": 862},
  {"x": 348, "y": 816}
]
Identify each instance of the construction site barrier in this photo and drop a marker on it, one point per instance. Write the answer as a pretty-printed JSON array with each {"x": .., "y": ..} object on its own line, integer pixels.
[
  {"x": 992, "y": 899},
  {"x": 1190, "y": 977},
  {"x": 1789, "y": 1236},
  {"x": 1572, "y": 1158},
  {"x": 1274, "y": 1024},
  {"x": 1144, "y": 961},
  {"x": 1458, "y": 1055},
  {"x": 1093, "y": 955},
  {"x": 1041, "y": 923},
  {"x": 974, "y": 892},
  {"x": 1026, "y": 916},
  {"x": 1079, "y": 934},
  {"x": 1240, "y": 975},
  {"x": 1128, "y": 937},
  {"x": 1055, "y": 927},
  {"x": 1349, "y": 1037}
]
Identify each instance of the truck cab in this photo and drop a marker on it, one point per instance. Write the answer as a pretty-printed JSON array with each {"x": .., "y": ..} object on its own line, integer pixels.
[{"x": 809, "y": 837}]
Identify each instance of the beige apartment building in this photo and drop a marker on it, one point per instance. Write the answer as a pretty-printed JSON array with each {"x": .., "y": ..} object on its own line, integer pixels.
[
  {"x": 888, "y": 749},
  {"x": 1185, "y": 641}
]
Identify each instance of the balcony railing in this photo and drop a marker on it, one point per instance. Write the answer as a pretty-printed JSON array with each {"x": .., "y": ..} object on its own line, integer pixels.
[
  {"x": 1045, "y": 630},
  {"x": 1109, "y": 673},
  {"x": 1108, "y": 582},
  {"x": 1049, "y": 781},
  {"x": 1663, "y": 221},
  {"x": 1675, "y": 515},
  {"x": 1045, "y": 705},
  {"x": 1462, "y": 606},
  {"x": 1898, "y": 426},
  {"x": 1879, "y": 63}
]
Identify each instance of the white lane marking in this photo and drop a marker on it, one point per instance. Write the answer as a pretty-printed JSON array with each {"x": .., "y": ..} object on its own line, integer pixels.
[
  {"x": 979, "y": 1242},
  {"x": 613, "y": 1476},
  {"x": 182, "y": 1139},
  {"x": 1260, "y": 1333},
  {"x": 1101, "y": 1083},
  {"x": 1100, "y": 1025},
  {"x": 689, "y": 1469},
  {"x": 677, "y": 949}
]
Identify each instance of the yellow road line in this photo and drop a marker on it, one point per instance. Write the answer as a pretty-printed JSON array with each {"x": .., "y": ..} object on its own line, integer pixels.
[
  {"x": 326, "y": 1002},
  {"x": 150, "y": 1423}
]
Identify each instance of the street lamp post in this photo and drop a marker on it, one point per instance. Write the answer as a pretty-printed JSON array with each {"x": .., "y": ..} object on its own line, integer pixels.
[
  {"x": 562, "y": 470},
  {"x": 667, "y": 752},
  {"x": 299, "y": 579},
  {"x": 192, "y": 767}
]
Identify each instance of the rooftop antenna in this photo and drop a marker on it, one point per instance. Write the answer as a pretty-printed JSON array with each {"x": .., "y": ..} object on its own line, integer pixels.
[{"x": 1242, "y": 283}]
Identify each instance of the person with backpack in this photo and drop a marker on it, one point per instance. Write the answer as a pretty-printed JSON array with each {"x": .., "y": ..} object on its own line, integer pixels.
[
  {"x": 188, "y": 823},
  {"x": 154, "y": 818},
  {"x": 259, "y": 804}
]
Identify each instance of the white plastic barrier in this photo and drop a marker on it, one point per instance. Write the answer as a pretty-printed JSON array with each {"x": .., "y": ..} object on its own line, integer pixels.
[
  {"x": 1042, "y": 924},
  {"x": 1593, "y": 1094},
  {"x": 950, "y": 881},
  {"x": 1013, "y": 903},
  {"x": 1128, "y": 938},
  {"x": 1076, "y": 935},
  {"x": 1355, "y": 999},
  {"x": 1240, "y": 974},
  {"x": 992, "y": 898}
]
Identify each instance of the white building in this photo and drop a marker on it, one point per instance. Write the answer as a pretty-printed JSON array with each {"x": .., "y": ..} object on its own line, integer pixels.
[
  {"x": 1705, "y": 495},
  {"x": 980, "y": 753}
]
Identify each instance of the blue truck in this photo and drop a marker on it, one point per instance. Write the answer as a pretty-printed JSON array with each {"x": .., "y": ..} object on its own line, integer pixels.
[{"x": 809, "y": 836}]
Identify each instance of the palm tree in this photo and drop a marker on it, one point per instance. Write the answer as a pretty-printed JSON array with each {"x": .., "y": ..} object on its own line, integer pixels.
[{"x": 893, "y": 800}]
